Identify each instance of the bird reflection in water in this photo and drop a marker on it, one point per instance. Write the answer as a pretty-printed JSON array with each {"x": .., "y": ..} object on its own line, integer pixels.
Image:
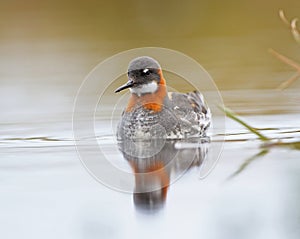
[{"x": 158, "y": 162}]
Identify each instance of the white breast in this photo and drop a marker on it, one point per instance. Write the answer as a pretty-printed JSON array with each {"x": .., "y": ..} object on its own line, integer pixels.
[{"x": 145, "y": 88}]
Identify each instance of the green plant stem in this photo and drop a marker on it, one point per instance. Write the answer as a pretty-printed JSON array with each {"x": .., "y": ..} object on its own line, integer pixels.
[{"x": 231, "y": 115}]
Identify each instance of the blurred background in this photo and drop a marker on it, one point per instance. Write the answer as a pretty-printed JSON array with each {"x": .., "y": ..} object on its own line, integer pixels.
[
  {"x": 46, "y": 50},
  {"x": 52, "y": 45}
]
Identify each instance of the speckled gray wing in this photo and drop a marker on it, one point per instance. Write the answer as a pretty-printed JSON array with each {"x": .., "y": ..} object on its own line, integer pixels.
[
  {"x": 192, "y": 112},
  {"x": 182, "y": 116}
]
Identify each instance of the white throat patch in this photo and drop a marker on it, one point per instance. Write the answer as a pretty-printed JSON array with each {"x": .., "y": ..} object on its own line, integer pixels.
[{"x": 145, "y": 88}]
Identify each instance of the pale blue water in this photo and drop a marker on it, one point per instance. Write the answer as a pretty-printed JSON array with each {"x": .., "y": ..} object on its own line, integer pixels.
[{"x": 46, "y": 192}]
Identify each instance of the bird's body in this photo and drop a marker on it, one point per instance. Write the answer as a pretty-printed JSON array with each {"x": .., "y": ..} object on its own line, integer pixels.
[{"x": 152, "y": 112}]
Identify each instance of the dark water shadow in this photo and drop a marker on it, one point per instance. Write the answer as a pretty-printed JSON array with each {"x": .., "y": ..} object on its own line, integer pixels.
[{"x": 158, "y": 163}]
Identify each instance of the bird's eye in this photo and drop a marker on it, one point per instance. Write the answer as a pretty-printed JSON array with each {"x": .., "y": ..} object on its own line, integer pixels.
[{"x": 146, "y": 71}]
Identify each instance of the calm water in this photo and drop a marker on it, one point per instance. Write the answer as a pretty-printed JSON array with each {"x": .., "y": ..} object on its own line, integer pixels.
[
  {"x": 46, "y": 192},
  {"x": 47, "y": 49}
]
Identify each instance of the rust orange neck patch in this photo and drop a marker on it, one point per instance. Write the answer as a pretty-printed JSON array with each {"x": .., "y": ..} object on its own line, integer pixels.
[{"x": 150, "y": 101}]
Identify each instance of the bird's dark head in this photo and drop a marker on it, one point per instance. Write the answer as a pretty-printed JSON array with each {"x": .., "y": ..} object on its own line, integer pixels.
[{"x": 144, "y": 76}]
